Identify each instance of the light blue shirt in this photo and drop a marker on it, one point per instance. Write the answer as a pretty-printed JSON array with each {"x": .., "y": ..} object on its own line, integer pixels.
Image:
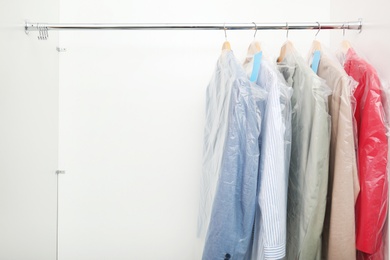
[{"x": 231, "y": 224}]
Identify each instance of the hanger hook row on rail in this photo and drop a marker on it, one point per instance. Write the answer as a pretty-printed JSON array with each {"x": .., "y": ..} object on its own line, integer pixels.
[
  {"x": 43, "y": 28},
  {"x": 43, "y": 32}
]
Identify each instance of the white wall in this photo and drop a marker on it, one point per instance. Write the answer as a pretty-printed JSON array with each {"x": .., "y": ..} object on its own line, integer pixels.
[
  {"x": 132, "y": 117},
  {"x": 28, "y": 132}
]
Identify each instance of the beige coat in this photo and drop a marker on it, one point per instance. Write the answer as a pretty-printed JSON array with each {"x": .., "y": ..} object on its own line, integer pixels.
[{"x": 343, "y": 189}]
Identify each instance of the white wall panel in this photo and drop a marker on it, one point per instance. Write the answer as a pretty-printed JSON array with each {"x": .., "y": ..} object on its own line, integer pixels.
[{"x": 28, "y": 132}]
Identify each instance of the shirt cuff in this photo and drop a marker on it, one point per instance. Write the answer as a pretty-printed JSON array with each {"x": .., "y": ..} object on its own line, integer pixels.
[{"x": 275, "y": 252}]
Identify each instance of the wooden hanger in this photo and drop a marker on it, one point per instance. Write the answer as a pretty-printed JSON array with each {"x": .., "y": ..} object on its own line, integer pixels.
[
  {"x": 283, "y": 51},
  {"x": 286, "y": 46},
  {"x": 316, "y": 46},
  {"x": 345, "y": 46},
  {"x": 226, "y": 44},
  {"x": 316, "y": 52},
  {"x": 254, "y": 47}
]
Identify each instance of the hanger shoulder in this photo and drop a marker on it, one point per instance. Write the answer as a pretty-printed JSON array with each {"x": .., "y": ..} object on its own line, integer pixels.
[
  {"x": 345, "y": 46},
  {"x": 317, "y": 46},
  {"x": 226, "y": 46},
  {"x": 283, "y": 51},
  {"x": 254, "y": 47},
  {"x": 257, "y": 46}
]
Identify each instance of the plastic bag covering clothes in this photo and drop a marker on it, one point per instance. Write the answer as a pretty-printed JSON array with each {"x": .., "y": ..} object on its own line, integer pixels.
[
  {"x": 271, "y": 209},
  {"x": 372, "y": 202},
  {"x": 230, "y": 229},
  {"x": 343, "y": 187},
  {"x": 217, "y": 108},
  {"x": 308, "y": 175}
]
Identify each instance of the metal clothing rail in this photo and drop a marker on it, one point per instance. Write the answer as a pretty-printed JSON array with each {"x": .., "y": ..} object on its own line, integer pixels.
[{"x": 43, "y": 28}]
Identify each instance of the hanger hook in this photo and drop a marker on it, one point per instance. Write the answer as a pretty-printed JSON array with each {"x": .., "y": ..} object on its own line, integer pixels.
[
  {"x": 343, "y": 29},
  {"x": 46, "y": 32},
  {"x": 287, "y": 28},
  {"x": 39, "y": 26},
  {"x": 319, "y": 29},
  {"x": 254, "y": 36},
  {"x": 224, "y": 29}
]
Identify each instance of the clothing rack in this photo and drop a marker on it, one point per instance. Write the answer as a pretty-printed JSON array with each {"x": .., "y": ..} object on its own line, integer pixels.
[{"x": 43, "y": 28}]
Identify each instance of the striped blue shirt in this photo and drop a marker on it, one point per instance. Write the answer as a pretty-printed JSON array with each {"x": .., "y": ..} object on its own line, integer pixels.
[{"x": 275, "y": 146}]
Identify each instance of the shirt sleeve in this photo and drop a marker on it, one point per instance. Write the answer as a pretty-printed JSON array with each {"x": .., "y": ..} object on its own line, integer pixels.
[{"x": 273, "y": 181}]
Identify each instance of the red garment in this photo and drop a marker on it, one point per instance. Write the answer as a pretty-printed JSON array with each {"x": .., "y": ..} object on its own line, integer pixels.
[{"x": 371, "y": 205}]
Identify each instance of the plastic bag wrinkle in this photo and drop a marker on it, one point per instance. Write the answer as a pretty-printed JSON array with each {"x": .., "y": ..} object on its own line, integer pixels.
[
  {"x": 231, "y": 221},
  {"x": 343, "y": 187},
  {"x": 372, "y": 202},
  {"x": 270, "y": 222}
]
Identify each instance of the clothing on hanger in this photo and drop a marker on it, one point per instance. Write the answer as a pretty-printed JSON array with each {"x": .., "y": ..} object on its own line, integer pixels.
[
  {"x": 372, "y": 202},
  {"x": 343, "y": 185},
  {"x": 308, "y": 174},
  {"x": 229, "y": 233},
  {"x": 271, "y": 208},
  {"x": 215, "y": 132},
  {"x": 281, "y": 177}
]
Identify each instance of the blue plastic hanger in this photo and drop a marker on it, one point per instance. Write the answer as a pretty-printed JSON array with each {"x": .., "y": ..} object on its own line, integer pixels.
[
  {"x": 256, "y": 58},
  {"x": 317, "y": 53}
]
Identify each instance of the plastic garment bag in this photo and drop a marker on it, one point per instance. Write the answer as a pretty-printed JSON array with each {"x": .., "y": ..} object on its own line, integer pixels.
[
  {"x": 343, "y": 188},
  {"x": 234, "y": 114},
  {"x": 372, "y": 202},
  {"x": 308, "y": 175},
  {"x": 215, "y": 132},
  {"x": 271, "y": 209}
]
